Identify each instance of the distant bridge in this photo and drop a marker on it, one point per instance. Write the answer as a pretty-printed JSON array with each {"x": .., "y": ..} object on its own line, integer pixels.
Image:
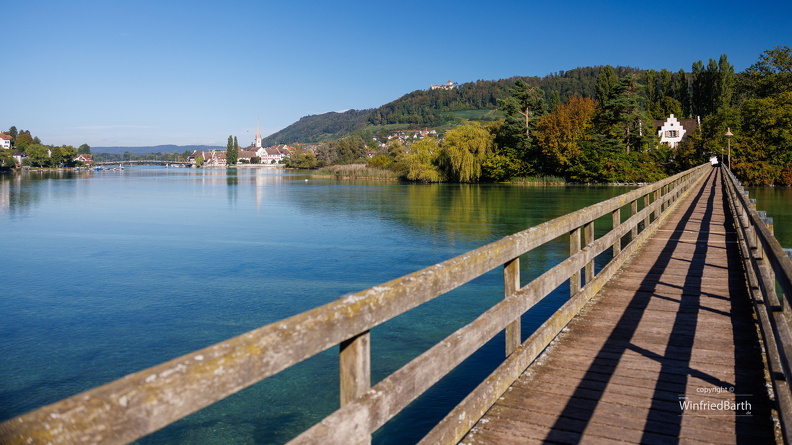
[
  {"x": 144, "y": 162},
  {"x": 646, "y": 349}
]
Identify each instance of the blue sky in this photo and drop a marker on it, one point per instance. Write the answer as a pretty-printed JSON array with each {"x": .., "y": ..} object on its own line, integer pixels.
[{"x": 131, "y": 73}]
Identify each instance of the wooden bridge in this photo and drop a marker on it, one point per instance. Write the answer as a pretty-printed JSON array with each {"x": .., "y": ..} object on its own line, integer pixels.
[{"x": 682, "y": 337}]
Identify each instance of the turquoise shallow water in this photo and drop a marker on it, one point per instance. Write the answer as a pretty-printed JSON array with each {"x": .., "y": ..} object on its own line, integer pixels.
[{"x": 107, "y": 273}]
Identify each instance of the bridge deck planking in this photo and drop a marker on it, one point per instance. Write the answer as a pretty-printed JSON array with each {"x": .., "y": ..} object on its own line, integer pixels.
[{"x": 676, "y": 321}]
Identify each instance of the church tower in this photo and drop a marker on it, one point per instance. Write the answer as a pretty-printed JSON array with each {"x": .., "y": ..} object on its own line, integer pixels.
[{"x": 258, "y": 134}]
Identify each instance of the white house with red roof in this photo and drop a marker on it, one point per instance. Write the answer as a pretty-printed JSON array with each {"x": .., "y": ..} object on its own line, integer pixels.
[{"x": 5, "y": 141}]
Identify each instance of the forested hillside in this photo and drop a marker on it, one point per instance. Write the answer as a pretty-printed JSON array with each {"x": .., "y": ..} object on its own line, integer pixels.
[{"x": 433, "y": 108}]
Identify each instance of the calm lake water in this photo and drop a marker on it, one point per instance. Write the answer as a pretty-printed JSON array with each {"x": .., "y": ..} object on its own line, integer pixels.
[{"x": 107, "y": 273}]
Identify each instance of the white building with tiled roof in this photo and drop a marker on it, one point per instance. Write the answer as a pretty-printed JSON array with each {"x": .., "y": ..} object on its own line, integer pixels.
[{"x": 5, "y": 141}]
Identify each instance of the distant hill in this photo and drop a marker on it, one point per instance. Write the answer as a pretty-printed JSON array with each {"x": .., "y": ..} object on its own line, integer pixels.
[
  {"x": 436, "y": 108},
  {"x": 319, "y": 127},
  {"x": 152, "y": 149}
]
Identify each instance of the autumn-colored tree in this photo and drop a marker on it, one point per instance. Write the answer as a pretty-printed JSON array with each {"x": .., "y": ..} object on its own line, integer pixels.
[{"x": 560, "y": 134}]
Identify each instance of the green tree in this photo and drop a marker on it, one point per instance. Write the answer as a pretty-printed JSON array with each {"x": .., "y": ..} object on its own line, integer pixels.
[
  {"x": 301, "y": 158},
  {"x": 232, "y": 151},
  {"x": 620, "y": 121},
  {"x": 84, "y": 149},
  {"x": 653, "y": 95},
  {"x": 23, "y": 141},
  {"x": 62, "y": 156},
  {"x": 7, "y": 159},
  {"x": 555, "y": 100},
  {"x": 682, "y": 93},
  {"x": 38, "y": 155},
  {"x": 765, "y": 137},
  {"x": 666, "y": 83},
  {"x": 522, "y": 109},
  {"x": 463, "y": 151},
  {"x": 607, "y": 80},
  {"x": 349, "y": 149},
  {"x": 668, "y": 106},
  {"x": 771, "y": 75},
  {"x": 199, "y": 160},
  {"x": 724, "y": 84},
  {"x": 421, "y": 163},
  {"x": 13, "y": 132}
]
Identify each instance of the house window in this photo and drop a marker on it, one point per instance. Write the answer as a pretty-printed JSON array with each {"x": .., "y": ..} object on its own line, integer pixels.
[{"x": 672, "y": 134}]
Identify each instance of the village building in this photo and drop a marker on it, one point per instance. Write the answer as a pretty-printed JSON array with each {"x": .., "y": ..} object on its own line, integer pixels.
[
  {"x": 672, "y": 130},
  {"x": 5, "y": 141},
  {"x": 212, "y": 158},
  {"x": 274, "y": 154},
  {"x": 19, "y": 157},
  {"x": 246, "y": 156},
  {"x": 86, "y": 159},
  {"x": 407, "y": 137}
]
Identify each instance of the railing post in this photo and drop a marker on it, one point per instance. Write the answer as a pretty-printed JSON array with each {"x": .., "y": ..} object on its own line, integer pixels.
[
  {"x": 574, "y": 247},
  {"x": 768, "y": 222},
  {"x": 511, "y": 283},
  {"x": 616, "y": 220},
  {"x": 633, "y": 212},
  {"x": 658, "y": 209},
  {"x": 648, "y": 219},
  {"x": 355, "y": 367},
  {"x": 588, "y": 238}
]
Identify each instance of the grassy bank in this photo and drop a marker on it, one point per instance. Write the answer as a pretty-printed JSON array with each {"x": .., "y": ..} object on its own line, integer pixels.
[
  {"x": 356, "y": 171},
  {"x": 539, "y": 180}
]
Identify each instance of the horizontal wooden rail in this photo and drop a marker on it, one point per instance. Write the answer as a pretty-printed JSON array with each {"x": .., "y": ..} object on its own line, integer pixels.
[
  {"x": 143, "y": 402},
  {"x": 766, "y": 264}
]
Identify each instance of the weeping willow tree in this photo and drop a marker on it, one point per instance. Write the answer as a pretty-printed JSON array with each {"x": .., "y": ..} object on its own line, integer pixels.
[
  {"x": 421, "y": 162},
  {"x": 463, "y": 151}
]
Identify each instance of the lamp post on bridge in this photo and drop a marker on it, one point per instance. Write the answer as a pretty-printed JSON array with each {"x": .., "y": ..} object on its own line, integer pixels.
[{"x": 728, "y": 142}]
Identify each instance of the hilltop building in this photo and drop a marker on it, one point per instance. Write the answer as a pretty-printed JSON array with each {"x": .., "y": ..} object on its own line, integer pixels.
[
  {"x": 446, "y": 86},
  {"x": 672, "y": 130}
]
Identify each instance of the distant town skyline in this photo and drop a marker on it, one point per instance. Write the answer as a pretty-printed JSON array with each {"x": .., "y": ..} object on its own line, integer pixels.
[{"x": 191, "y": 73}]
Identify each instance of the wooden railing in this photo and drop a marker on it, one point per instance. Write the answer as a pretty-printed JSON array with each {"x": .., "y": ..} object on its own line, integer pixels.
[
  {"x": 143, "y": 402},
  {"x": 767, "y": 269}
]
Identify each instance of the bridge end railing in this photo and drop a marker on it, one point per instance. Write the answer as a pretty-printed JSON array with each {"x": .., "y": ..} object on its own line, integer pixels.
[{"x": 768, "y": 270}]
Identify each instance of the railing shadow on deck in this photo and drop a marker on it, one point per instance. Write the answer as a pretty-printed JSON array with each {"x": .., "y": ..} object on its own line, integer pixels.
[{"x": 144, "y": 402}]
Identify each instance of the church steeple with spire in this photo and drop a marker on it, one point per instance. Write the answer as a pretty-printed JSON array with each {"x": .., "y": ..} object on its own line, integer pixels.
[{"x": 258, "y": 134}]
